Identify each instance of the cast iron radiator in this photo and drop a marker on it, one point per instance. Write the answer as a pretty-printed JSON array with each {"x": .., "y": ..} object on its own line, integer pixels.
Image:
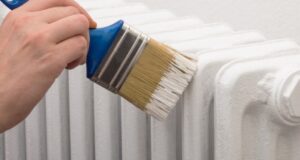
[{"x": 242, "y": 103}]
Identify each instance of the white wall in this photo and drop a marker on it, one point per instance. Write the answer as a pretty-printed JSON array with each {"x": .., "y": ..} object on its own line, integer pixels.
[{"x": 274, "y": 18}]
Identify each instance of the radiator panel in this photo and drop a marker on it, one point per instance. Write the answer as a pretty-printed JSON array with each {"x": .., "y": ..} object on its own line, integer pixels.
[
  {"x": 15, "y": 143},
  {"x": 164, "y": 25},
  {"x": 209, "y": 65},
  {"x": 35, "y": 133},
  {"x": 81, "y": 115},
  {"x": 271, "y": 127},
  {"x": 58, "y": 119}
]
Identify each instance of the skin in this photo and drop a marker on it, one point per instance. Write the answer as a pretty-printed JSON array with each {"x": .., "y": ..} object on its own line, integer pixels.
[{"x": 37, "y": 42}]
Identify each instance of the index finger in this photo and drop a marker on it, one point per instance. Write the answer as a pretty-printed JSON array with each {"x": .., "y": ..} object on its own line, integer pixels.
[
  {"x": 38, "y": 5},
  {"x": 93, "y": 24}
]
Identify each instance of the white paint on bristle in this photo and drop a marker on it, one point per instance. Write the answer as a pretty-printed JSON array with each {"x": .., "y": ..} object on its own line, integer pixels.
[{"x": 171, "y": 86}]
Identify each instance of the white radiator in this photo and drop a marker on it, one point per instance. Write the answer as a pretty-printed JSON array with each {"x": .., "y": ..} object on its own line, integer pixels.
[{"x": 242, "y": 103}]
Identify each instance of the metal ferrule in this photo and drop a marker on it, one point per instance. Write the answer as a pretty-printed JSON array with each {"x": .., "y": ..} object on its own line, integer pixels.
[{"x": 121, "y": 58}]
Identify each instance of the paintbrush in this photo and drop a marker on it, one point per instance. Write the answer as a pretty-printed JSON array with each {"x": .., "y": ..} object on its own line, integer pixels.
[{"x": 147, "y": 73}]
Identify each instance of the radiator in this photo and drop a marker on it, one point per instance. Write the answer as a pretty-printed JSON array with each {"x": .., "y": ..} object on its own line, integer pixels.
[{"x": 242, "y": 103}]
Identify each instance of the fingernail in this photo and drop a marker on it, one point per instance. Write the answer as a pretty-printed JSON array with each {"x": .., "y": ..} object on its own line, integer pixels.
[{"x": 93, "y": 24}]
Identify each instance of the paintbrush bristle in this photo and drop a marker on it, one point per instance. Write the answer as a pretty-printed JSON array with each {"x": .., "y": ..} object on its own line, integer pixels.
[{"x": 158, "y": 79}]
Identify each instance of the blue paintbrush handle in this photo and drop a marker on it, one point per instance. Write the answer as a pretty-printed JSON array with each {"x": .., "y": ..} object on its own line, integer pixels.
[{"x": 13, "y": 4}]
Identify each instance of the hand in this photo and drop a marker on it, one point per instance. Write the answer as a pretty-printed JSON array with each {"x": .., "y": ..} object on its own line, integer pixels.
[{"x": 37, "y": 41}]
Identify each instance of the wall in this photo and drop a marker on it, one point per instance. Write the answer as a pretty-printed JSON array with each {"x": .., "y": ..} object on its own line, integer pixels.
[{"x": 274, "y": 18}]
